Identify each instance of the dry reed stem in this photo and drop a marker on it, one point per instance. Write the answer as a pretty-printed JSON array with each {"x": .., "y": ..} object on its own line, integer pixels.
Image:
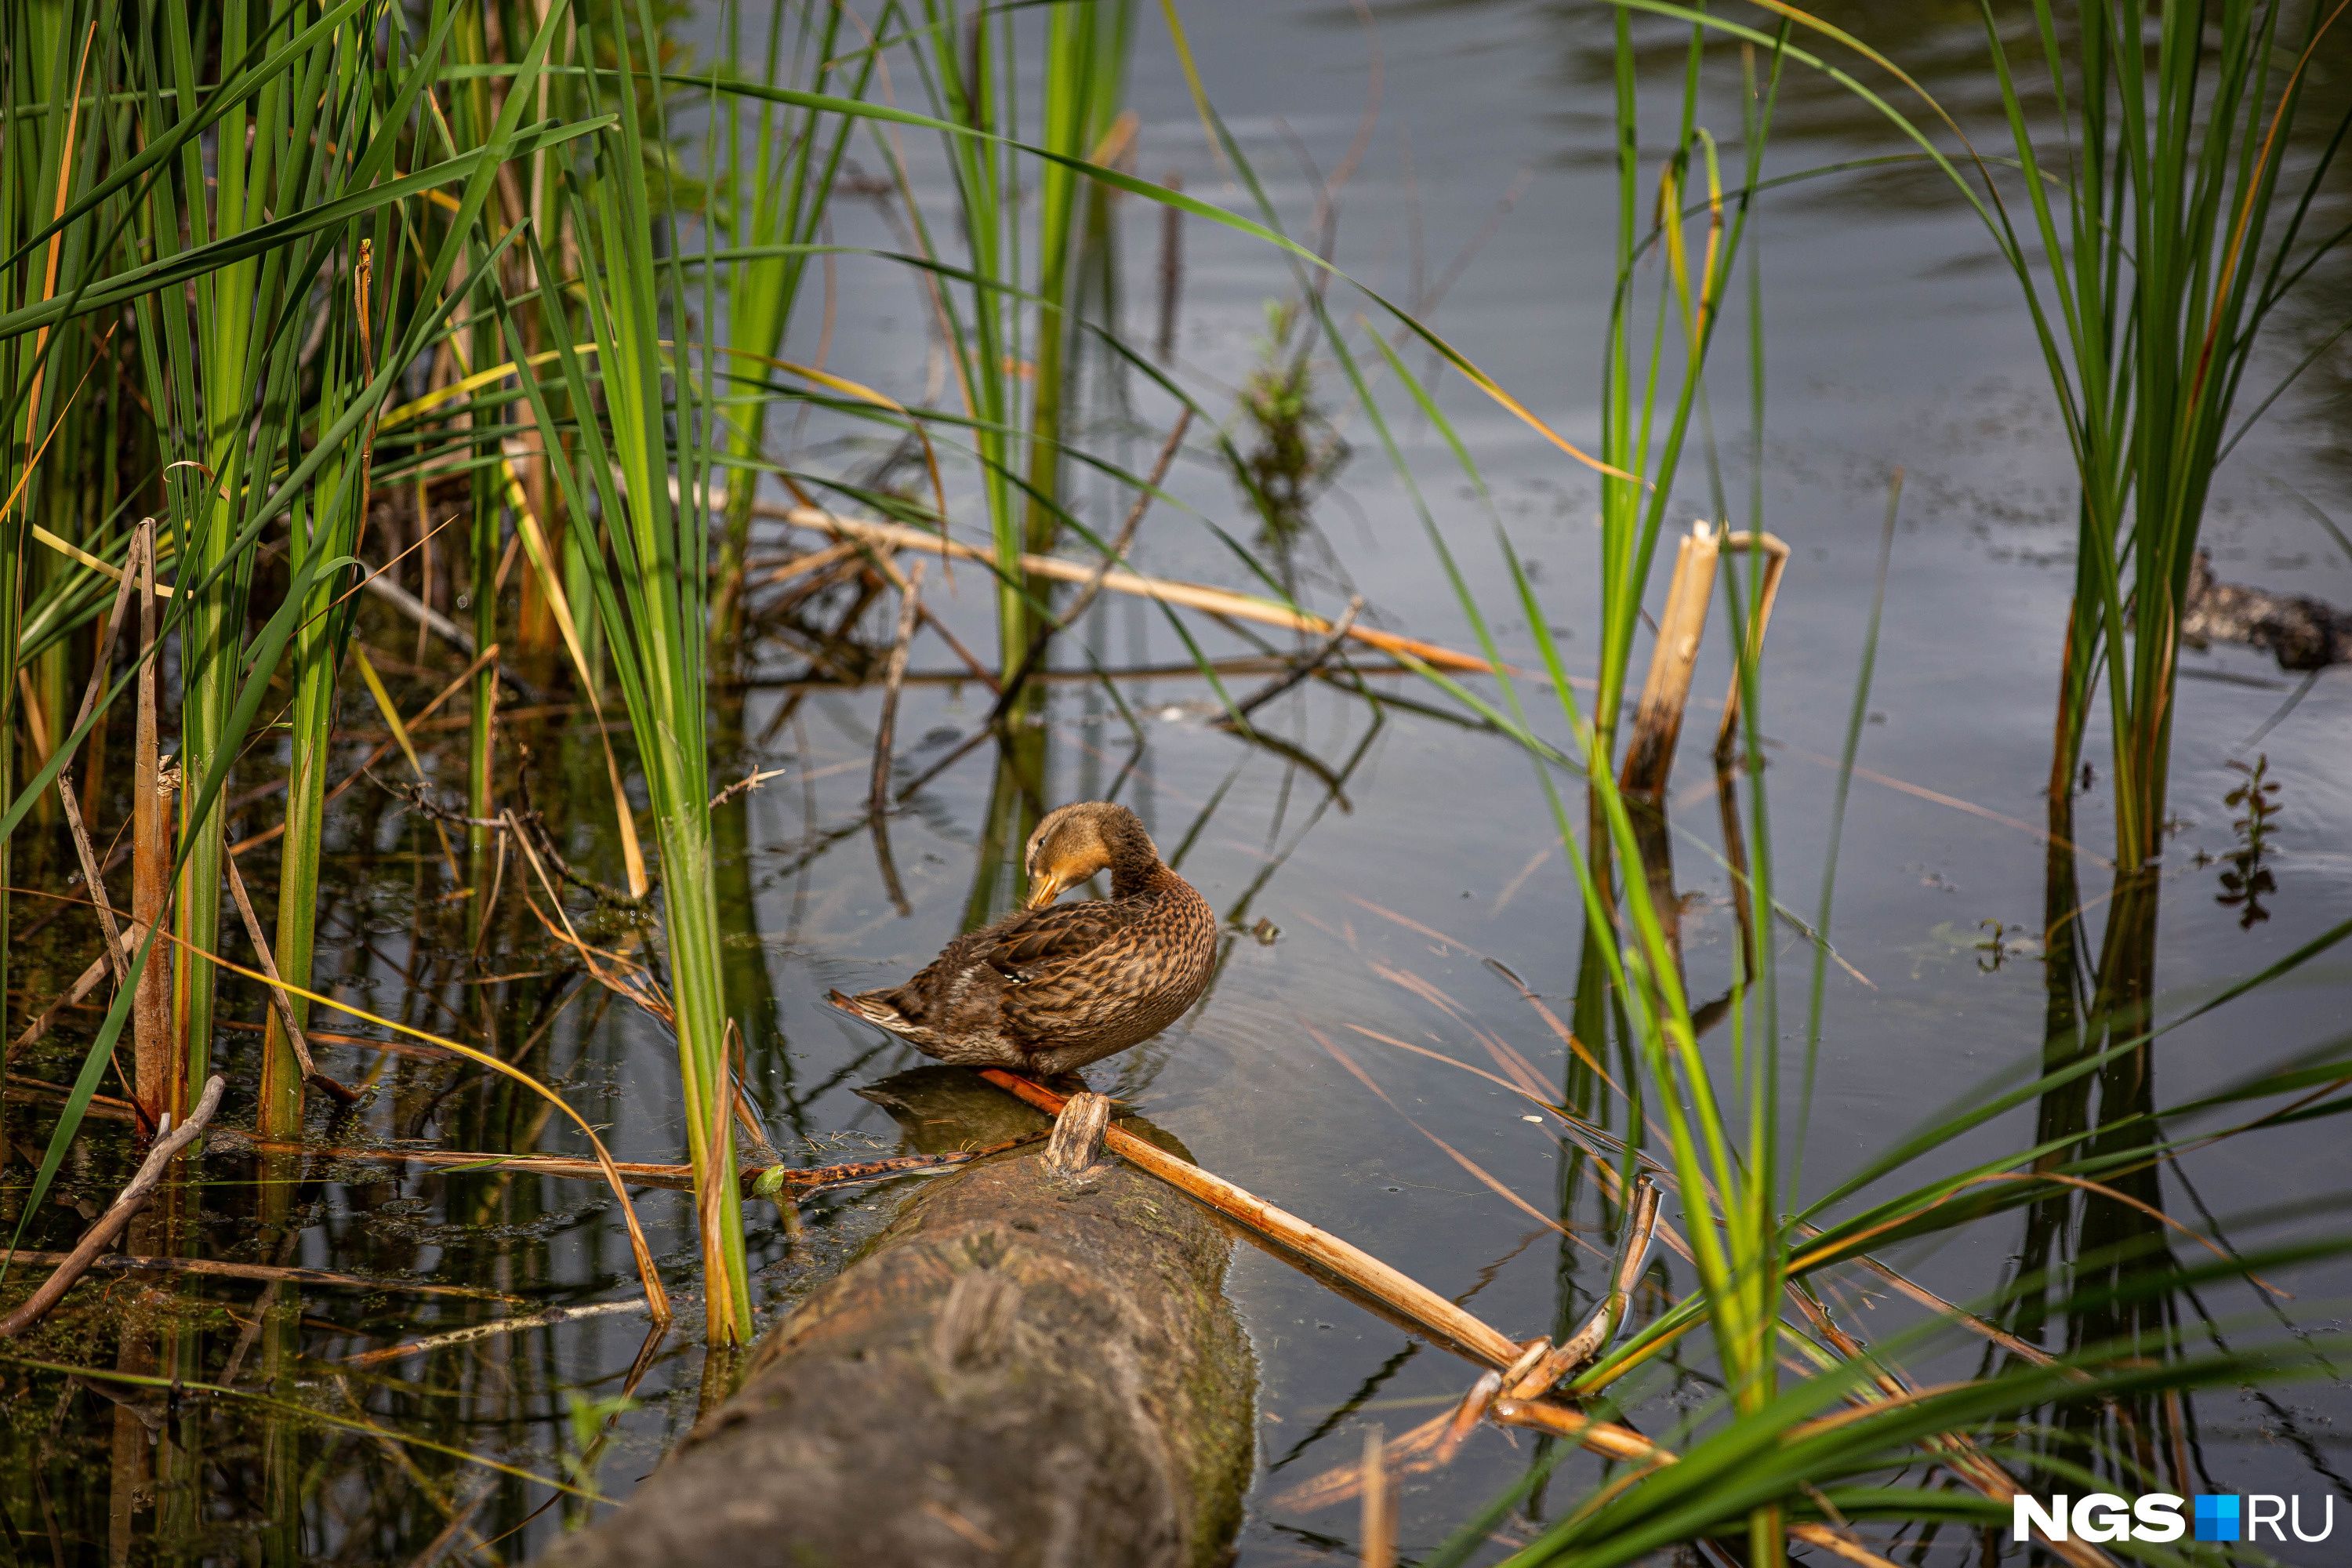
[
  {"x": 1416, "y": 1302},
  {"x": 285, "y": 1004},
  {"x": 1590, "y": 1342},
  {"x": 93, "y": 877},
  {"x": 155, "y": 1047},
  {"x": 1776, "y": 560},
  {"x": 1600, "y": 1436},
  {"x": 1838, "y": 1544},
  {"x": 1218, "y": 601},
  {"x": 1958, "y": 1452},
  {"x": 1658, "y": 724},
  {"x": 130, "y": 1201}
]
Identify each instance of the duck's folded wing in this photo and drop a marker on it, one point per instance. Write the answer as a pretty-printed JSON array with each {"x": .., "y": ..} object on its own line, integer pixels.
[{"x": 1046, "y": 939}]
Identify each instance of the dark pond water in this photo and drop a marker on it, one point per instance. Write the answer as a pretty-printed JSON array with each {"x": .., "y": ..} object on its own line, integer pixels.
[{"x": 1394, "y": 856}]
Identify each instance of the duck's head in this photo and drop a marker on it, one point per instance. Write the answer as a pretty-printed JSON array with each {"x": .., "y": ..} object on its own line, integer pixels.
[{"x": 1080, "y": 839}]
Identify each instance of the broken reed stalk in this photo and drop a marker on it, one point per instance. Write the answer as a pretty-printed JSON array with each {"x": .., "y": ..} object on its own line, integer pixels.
[
  {"x": 277, "y": 994},
  {"x": 130, "y": 1201},
  {"x": 1436, "y": 1316},
  {"x": 1776, "y": 560},
  {"x": 1217, "y": 601},
  {"x": 155, "y": 1048},
  {"x": 93, "y": 877},
  {"x": 1658, "y": 724},
  {"x": 1625, "y": 1271}
]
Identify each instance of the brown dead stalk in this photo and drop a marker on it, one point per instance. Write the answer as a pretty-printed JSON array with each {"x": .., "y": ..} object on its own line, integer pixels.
[
  {"x": 286, "y": 1018},
  {"x": 1217, "y": 601},
  {"x": 129, "y": 1202}
]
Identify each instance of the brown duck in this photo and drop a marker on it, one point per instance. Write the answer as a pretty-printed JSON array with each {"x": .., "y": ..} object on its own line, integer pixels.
[{"x": 1052, "y": 987}]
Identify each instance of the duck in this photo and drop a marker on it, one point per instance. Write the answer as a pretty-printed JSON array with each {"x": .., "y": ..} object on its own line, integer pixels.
[{"x": 1053, "y": 987}]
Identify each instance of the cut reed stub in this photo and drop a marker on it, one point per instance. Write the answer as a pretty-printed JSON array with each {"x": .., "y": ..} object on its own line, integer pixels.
[
  {"x": 1658, "y": 724},
  {"x": 1077, "y": 1140},
  {"x": 1775, "y": 552}
]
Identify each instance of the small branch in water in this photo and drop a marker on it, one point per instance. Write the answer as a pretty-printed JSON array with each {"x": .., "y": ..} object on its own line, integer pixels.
[
  {"x": 129, "y": 1202},
  {"x": 124, "y": 1263}
]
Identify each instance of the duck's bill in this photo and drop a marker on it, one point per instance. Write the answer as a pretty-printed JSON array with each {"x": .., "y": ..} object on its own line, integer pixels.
[{"x": 1046, "y": 889}]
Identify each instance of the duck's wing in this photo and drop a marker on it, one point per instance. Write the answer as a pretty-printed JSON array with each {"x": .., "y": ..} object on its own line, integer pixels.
[{"x": 1024, "y": 946}]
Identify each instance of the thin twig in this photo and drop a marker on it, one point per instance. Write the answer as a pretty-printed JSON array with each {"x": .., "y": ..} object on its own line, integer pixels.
[
  {"x": 1298, "y": 671},
  {"x": 273, "y": 1273},
  {"x": 884, "y": 730},
  {"x": 745, "y": 784},
  {"x": 490, "y": 1330},
  {"x": 129, "y": 1202},
  {"x": 1078, "y": 606}
]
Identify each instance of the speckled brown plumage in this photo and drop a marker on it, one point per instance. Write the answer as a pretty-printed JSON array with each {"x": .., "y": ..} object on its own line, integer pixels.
[{"x": 1053, "y": 987}]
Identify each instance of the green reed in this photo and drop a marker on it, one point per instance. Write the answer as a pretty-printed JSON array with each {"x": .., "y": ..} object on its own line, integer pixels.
[
  {"x": 1752, "y": 1459},
  {"x": 2169, "y": 230},
  {"x": 776, "y": 171}
]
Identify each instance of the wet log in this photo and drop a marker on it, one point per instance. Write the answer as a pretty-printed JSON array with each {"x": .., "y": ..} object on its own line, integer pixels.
[
  {"x": 1024, "y": 1367},
  {"x": 2300, "y": 632}
]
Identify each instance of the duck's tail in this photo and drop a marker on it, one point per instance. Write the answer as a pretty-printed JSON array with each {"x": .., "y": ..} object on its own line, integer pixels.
[{"x": 870, "y": 1007}]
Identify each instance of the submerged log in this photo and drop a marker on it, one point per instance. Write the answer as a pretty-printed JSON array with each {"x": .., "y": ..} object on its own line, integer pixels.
[{"x": 1023, "y": 1368}]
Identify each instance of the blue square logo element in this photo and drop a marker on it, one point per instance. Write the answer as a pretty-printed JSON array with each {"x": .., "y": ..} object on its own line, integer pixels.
[{"x": 2217, "y": 1518}]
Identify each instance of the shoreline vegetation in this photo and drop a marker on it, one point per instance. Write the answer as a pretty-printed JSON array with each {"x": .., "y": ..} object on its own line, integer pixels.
[{"x": 395, "y": 402}]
